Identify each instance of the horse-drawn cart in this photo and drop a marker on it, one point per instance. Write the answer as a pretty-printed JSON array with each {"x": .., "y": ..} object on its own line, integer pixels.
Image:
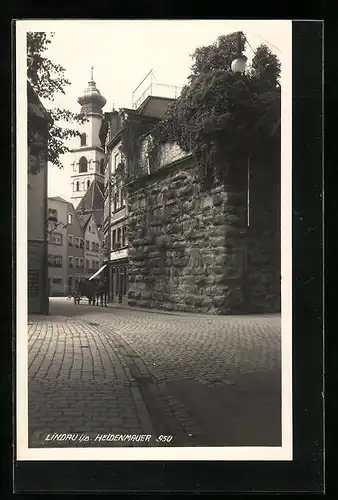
[{"x": 94, "y": 290}]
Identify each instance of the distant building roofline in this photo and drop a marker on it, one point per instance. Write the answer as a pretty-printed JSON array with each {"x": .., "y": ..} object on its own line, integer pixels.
[{"x": 58, "y": 198}]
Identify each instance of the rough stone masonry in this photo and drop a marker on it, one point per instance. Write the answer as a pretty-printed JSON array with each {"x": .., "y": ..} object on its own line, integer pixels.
[{"x": 190, "y": 250}]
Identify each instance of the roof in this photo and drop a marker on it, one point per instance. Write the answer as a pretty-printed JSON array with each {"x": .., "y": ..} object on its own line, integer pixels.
[
  {"x": 143, "y": 105},
  {"x": 138, "y": 115},
  {"x": 58, "y": 198},
  {"x": 84, "y": 219},
  {"x": 98, "y": 216},
  {"x": 92, "y": 202}
]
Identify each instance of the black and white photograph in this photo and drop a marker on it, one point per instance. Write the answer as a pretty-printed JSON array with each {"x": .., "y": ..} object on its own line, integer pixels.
[{"x": 154, "y": 239}]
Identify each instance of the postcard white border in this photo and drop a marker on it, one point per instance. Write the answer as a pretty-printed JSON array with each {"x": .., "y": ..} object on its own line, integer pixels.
[{"x": 175, "y": 453}]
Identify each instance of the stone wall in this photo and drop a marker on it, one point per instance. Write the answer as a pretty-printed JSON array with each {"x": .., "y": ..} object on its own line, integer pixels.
[
  {"x": 193, "y": 250},
  {"x": 154, "y": 158},
  {"x": 190, "y": 249}
]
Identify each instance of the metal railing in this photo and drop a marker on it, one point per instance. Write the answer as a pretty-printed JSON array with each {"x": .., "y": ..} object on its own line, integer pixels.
[{"x": 153, "y": 88}]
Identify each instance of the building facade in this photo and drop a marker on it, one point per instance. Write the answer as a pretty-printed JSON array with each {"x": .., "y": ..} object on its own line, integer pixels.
[
  {"x": 37, "y": 245},
  {"x": 115, "y": 221},
  {"x": 93, "y": 257},
  {"x": 75, "y": 245},
  {"x": 57, "y": 246},
  {"x": 117, "y": 171}
]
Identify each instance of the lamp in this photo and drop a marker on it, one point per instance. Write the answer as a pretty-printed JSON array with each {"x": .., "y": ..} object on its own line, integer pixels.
[{"x": 238, "y": 65}]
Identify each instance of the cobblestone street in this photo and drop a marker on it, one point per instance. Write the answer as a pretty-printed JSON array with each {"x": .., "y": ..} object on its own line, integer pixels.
[{"x": 204, "y": 380}]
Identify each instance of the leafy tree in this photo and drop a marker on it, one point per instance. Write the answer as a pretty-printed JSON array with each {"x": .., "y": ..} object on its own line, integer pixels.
[
  {"x": 224, "y": 117},
  {"x": 47, "y": 80}
]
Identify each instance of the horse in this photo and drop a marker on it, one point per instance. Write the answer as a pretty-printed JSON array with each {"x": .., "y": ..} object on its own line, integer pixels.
[{"x": 89, "y": 289}]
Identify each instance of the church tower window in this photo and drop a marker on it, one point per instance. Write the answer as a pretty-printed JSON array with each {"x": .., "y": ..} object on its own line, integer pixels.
[
  {"x": 83, "y": 165},
  {"x": 77, "y": 186},
  {"x": 83, "y": 139}
]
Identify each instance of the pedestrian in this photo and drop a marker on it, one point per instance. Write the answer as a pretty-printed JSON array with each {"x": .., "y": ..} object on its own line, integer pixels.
[
  {"x": 77, "y": 296},
  {"x": 102, "y": 292}
]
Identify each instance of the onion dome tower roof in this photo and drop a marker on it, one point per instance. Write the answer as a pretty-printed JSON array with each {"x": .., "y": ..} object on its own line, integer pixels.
[{"x": 92, "y": 101}]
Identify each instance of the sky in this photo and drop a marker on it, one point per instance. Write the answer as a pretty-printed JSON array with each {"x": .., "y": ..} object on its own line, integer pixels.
[{"x": 123, "y": 52}]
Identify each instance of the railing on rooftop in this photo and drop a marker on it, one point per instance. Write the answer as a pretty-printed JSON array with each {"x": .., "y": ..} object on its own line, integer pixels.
[{"x": 150, "y": 87}]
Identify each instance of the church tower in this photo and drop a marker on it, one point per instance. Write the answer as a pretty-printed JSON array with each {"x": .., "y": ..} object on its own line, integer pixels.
[{"x": 89, "y": 156}]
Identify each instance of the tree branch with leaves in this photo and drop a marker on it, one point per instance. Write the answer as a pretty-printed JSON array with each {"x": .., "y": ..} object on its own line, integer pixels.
[{"x": 47, "y": 80}]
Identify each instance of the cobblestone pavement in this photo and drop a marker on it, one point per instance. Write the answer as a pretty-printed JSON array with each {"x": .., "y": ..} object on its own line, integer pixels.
[{"x": 205, "y": 380}]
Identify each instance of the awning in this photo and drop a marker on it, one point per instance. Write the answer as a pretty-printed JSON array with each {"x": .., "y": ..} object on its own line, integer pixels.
[{"x": 98, "y": 272}]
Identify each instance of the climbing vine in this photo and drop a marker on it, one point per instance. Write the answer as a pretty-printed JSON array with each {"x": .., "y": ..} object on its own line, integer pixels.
[
  {"x": 223, "y": 117},
  {"x": 133, "y": 130}
]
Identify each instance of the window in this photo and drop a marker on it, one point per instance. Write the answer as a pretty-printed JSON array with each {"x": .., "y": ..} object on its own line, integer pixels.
[
  {"x": 116, "y": 160},
  {"x": 70, "y": 240},
  {"x": 123, "y": 197},
  {"x": 69, "y": 219},
  {"x": 88, "y": 184},
  {"x": 77, "y": 186},
  {"x": 77, "y": 242},
  {"x": 81, "y": 262},
  {"x": 114, "y": 239},
  {"x": 87, "y": 263},
  {"x": 56, "y": 239},
  {"x": 55, "y": 260},
  {"x": 83, "y": 165},
  {"x": 81, "y": 242},
  {"x": 77, "y": 262},
  {"x": 115, "y": 201},
  {"x": 90, "y": 229},
  {"x": 97, "y": 247},
  {"x": 87, "y": 245},
  {"x": 93, "y": 246},
  {"x": 57, "y": 281},
  {"x": 102, "y": 166},
  {"x": 83, "y": 139},
  {"x": 70, "y": 261},
  {"x": 124, "y": 234},
  {"x": 52, "y": 214},
  {"x": 118, "y": 242}
]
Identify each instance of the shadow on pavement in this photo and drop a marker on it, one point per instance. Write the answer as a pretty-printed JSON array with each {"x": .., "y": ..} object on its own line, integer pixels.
[{"x": 243, "y": 411}]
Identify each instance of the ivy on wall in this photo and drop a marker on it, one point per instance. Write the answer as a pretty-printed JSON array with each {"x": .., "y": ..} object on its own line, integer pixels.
[
  {"x": 133, "y": 129},
  {"x": 224, "y": 117}
]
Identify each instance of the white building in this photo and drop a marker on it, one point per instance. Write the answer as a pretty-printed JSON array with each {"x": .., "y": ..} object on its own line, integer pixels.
[{"x": 88, "y": 159}]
